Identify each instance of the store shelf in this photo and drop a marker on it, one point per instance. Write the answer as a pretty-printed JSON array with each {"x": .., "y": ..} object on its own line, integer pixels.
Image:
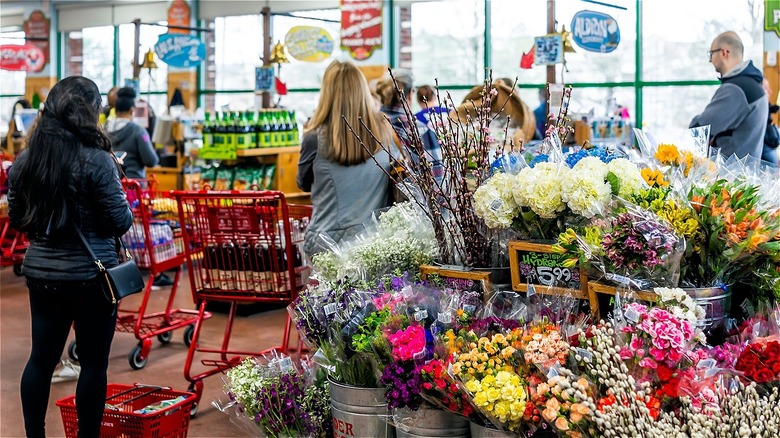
[{"x": 267, "y": 151}]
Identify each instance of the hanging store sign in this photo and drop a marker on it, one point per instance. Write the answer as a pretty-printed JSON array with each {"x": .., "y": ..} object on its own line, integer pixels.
[
  {"x": 595, "y": 31},
  {"x": 772, "y": 16},
  {"x": 548, "y": 49},
  {"x": 179, "y": 15},
  {"x": 36, "y": 30},
  {"x": 361, "y": 27},
  {"x": 264, "y": 78},
  {"x": 178, "y": 50},
  {"x": 28, "y": 57},
  {"x": 309, "y": 43}
]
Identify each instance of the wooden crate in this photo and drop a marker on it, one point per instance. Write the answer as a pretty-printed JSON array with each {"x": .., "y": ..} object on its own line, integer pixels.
[{"x": 596, "y": 288}]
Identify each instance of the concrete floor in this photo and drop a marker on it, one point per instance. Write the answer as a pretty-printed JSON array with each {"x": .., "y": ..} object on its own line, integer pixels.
[{"x": 165, "y": 365}]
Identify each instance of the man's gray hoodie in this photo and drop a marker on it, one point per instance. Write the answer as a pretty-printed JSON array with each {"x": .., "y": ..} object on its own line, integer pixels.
[
  {"x": 129, "y": 137},
  {"x": 737, "y": 113}
]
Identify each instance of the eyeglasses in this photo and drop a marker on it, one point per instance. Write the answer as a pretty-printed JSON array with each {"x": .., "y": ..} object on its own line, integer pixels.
[{"x": 711, "y": 52}]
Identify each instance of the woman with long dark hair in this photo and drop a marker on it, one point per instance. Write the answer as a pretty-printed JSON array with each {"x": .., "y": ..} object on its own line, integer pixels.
[{"x": 67, "y": 179}]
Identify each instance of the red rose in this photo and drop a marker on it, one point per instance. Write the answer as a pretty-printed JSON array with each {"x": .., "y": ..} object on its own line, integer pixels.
[
  {"x": 763, "y": 375},
  {"x": 772, "y": 349},
  {"x": 774, "y": 365},
  {"x": 748, "y": 360},
  {"x": 664, "y": 373}
]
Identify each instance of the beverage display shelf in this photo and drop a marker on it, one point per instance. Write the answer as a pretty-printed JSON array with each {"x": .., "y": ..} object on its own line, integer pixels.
[{"x": 255, "y": 152}]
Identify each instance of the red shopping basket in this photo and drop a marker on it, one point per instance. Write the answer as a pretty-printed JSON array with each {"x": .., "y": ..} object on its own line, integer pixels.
[{"x": 121, "y": 420}]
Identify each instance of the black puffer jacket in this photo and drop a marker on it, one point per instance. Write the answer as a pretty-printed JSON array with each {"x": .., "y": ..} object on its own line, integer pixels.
[{"x": 102, "y": 214}]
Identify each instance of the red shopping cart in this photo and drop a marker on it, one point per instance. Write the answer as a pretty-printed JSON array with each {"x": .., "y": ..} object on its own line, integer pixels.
[
  {"x": 242, "y": 247},
  {"x": 136, "y": 411},
  {"x": 13, "y": 244},
  {"x": 156, "y": 244}
]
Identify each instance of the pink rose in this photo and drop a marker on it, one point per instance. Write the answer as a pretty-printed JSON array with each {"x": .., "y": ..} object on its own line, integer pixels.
[
  {"x": 658, "y": 354},
  {"x": 636, "y": 343},
  {"x": 648, "y": 363}
]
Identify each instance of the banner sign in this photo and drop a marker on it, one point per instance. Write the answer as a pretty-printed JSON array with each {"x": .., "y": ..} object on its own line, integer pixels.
[
  {"x": 772, "y": 16},
  {"x": 264, "y": 78},
  {"x": 549, "y": 49},
  {"x": 361, "y": 27},
  {"x": 36, "y": 30},
  {"x": 595, "y": 31},
  {"x": 29, "y": 58},
  {"x": 179, "y": 50},
  {"x": 179, "y": 15},
  {"x": 309, "y": 43}
]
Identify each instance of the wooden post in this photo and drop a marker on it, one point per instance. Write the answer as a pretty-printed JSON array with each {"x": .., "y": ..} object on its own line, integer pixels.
[
  {"x": 137, "y": 49},
  {"x": 267, "y": 31},
  {"x": 550, "y": 29}
]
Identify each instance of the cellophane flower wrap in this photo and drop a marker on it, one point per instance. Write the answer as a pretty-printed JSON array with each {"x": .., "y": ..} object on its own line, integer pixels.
[
  {"x": 280, "y": 397},
  {"x": 327, "y": 316},
  {"x": 741, "y": 235},
  {"x": 398, "y": 239},
  {"x": 564, "y": 401}
]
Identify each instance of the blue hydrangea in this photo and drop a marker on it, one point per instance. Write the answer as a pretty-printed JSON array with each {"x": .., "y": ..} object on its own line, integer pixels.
[
  {"x": 541, "y": 158},
  {"x": 575, "y": 157}
]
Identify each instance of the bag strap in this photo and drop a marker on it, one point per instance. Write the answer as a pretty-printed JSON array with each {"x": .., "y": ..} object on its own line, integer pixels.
[
  {"x": 398, "y": 143},
  {"x": 128, "y": 256}
]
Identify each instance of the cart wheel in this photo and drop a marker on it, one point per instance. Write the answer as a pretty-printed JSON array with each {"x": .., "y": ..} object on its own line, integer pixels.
[
  {"x": 197, "y": 391},
  {"x": 72, "y": 352},
  {"x": 189, "y": 332},
  {"x": 18, "y": 270},
  {"x": 165, "y": 337},
  {"x": 136, "y": 362}
]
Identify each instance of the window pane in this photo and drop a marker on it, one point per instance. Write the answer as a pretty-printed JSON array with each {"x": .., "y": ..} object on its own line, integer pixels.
[
  {"x": 583, "y": 66},
  {"x": 148, "y": 38},
  {"x": 13, "y": 81},
  {"x": 299, "y": 74},
  {"x": 675, "y": 44},
  {"x": 597, "y": 101},
  {"x": 512, "y": 34},
  {"x": 304, "y": 104},
  {"x": 448, "y": 42},
  {"x": 98, "y": 62},
  {"x": 235, "y": 101},
  {"x": 666, "y": 115},
  {"x": 74, "y": 54},
  {"x": 239, "y": 45}
]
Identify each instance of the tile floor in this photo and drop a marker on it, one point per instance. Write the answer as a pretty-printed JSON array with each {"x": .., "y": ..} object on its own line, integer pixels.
[{"x": 165, "y": 365}]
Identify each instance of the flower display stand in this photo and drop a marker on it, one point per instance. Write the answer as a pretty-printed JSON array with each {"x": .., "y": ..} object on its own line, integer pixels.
[
  {"x": 461, "y": 279},
  {"x": 533, "y": 263},
  {"x": 597, "y": 292}
]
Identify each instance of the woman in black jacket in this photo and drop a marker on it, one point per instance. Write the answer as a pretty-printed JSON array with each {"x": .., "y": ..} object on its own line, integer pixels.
[{"x": 67, "y": 178}]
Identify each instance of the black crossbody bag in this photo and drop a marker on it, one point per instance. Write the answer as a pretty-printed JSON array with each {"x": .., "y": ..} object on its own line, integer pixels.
[{"x": 120, "y": 281}]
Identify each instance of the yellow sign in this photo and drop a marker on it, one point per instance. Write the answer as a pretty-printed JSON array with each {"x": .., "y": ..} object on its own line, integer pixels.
[{"x": 309, "y": 43}]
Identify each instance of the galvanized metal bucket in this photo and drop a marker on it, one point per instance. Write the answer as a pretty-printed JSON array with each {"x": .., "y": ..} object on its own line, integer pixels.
[
  {"x": 716, "y": 302},
  {"x": 429, "y": 422},
  {"x": 359, "y": 412},
  {"x": 478, "y": 431}
]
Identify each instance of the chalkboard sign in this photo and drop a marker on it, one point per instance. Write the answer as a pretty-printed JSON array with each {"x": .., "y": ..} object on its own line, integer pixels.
[
  {"x": 538, "y": 264},
  {"x": 461, "y": 280}
]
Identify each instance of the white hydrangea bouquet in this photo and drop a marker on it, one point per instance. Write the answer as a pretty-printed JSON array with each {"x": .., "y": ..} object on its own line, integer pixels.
[
  {"x": 555, "y": 189},
  {"x": 399, "y": 239}
]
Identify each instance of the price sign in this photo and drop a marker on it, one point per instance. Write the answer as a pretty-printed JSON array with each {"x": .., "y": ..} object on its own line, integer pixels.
[
  {"x": 460, "y": 280},
  {"x": 264, "y": 78},
  {"x": 537, "y": 264}
]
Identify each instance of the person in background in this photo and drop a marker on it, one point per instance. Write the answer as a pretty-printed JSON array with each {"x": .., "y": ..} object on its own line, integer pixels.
[
  {"x": 13, "y": 131},
  {"x": 107, "y": 112},
  {"x": 345, "y": 182},
  {"x": 68, "y": 179},
  {"x": 134, "y": 148},
  {"x": 426, "y": 98},
  {"x": 738, "y": 110},
  {"x": 772, "y": 135},
  {"x": 129, "y": 138},
  {"x": 540, "y": 113},
  {"x": 392, "y": 107}
]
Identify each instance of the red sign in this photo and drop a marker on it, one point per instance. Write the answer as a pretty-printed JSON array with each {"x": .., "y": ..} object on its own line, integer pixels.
[
  {"x": 179, "y": 15},
  {"x": 29, "y": 58},
  {"x": 361, "y": 27},
  {"x": 36, "y": 30}
]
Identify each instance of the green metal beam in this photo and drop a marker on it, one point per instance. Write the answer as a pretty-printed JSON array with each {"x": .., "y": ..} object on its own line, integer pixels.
[
  {"x": 117, "y": 73},
  {"x": 638, "y": 65},
  {"x": 391, "y": 37},
  {"x": 486, "y": 43}
]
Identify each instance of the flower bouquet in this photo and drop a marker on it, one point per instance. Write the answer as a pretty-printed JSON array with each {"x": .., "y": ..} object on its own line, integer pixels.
[
  {"x": 280, "y": 399},
  {"x": 563, "y": 400},
  {"x": 760, "y": 361}
]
